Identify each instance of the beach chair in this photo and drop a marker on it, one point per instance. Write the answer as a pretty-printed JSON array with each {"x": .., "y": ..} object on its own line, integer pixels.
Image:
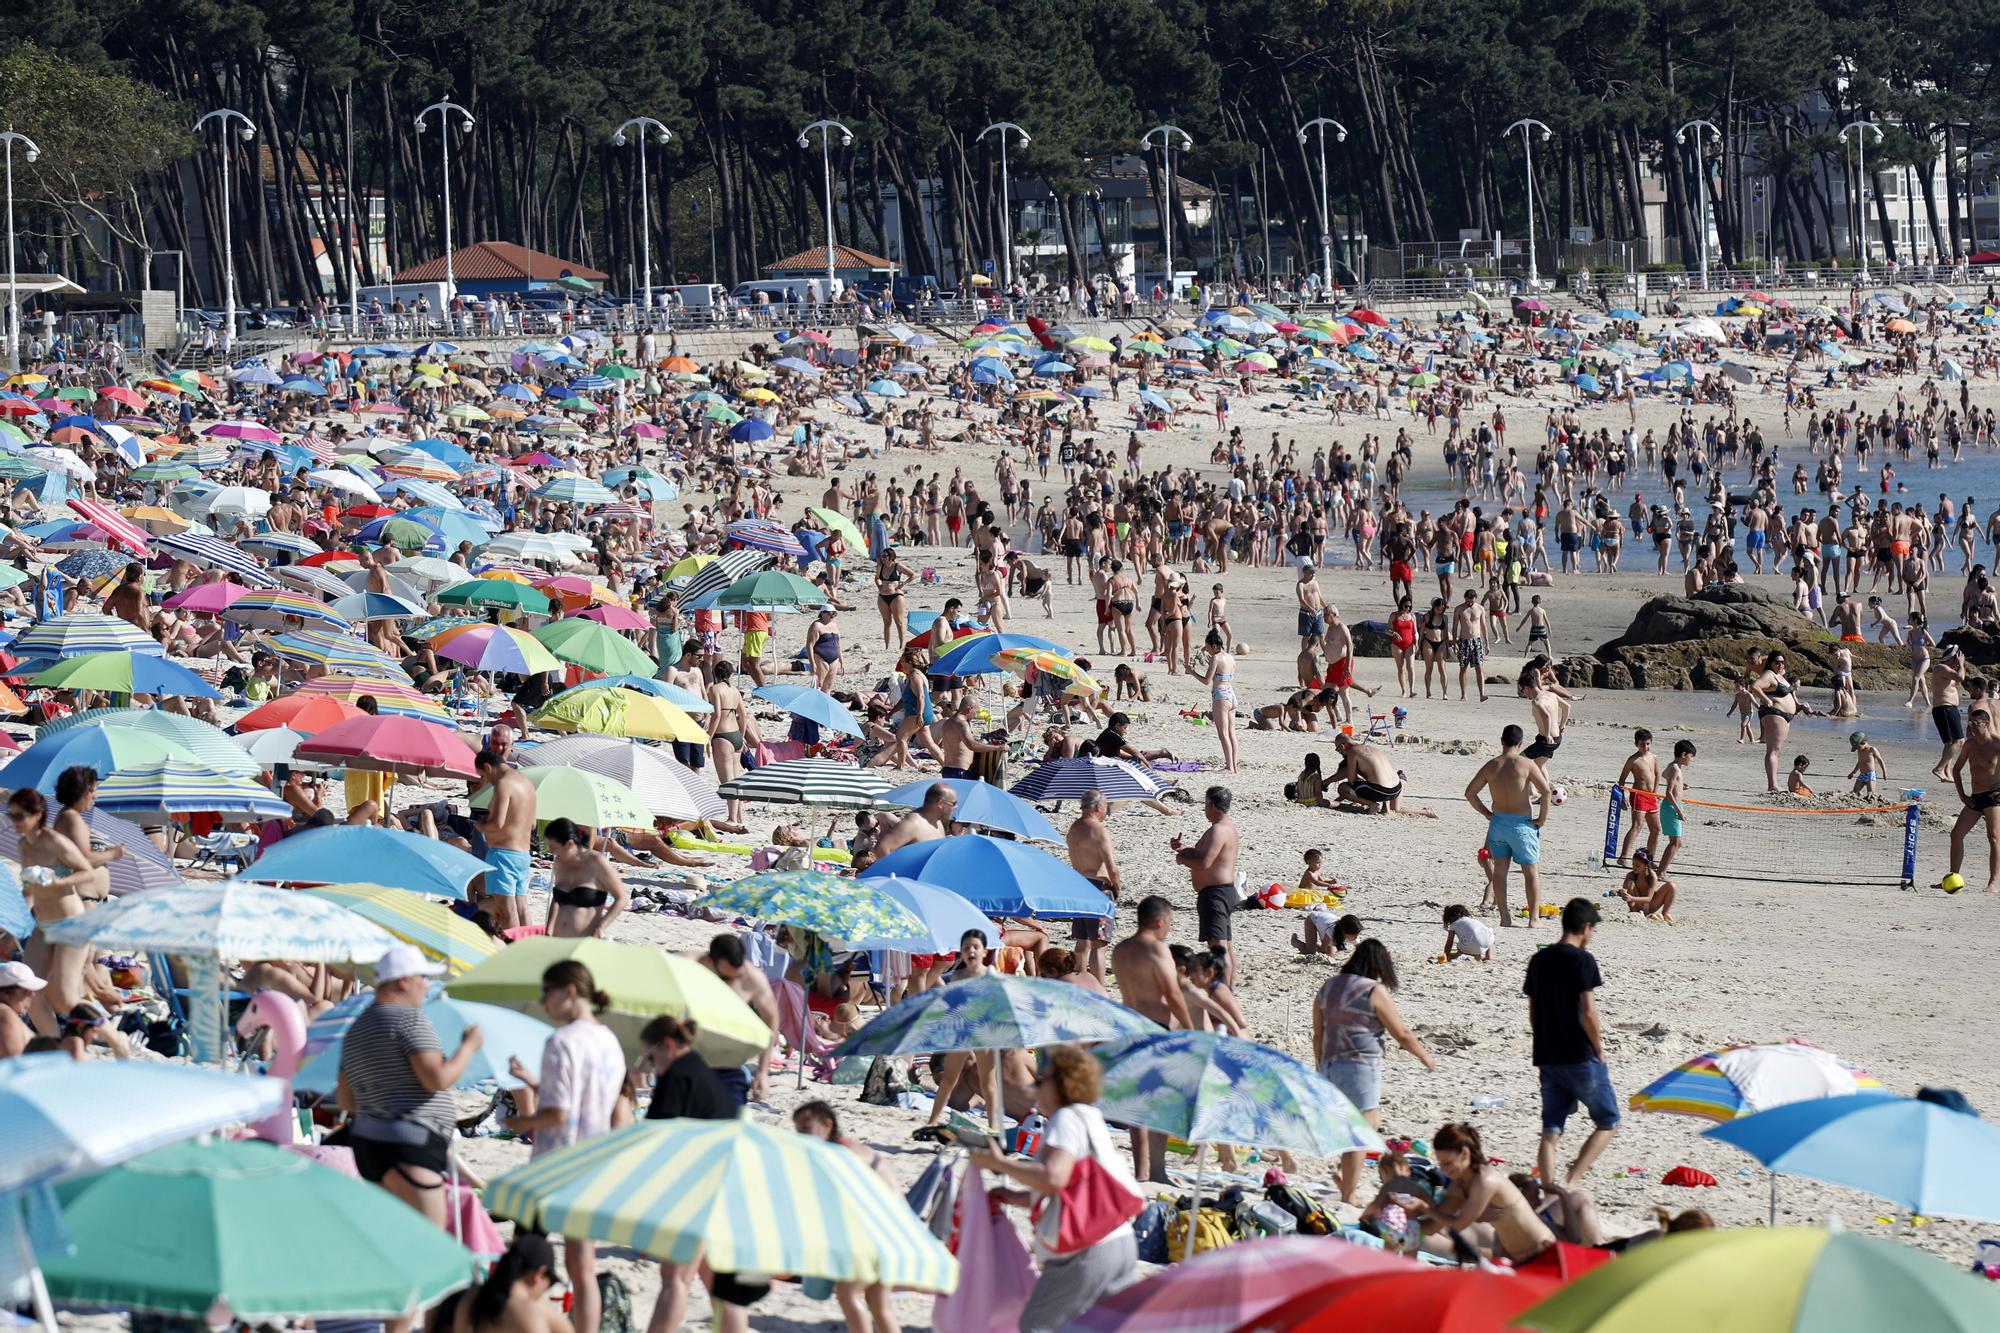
[
  {"x": 219, "y": 850},
  {"x": 795, "y": 1026}
]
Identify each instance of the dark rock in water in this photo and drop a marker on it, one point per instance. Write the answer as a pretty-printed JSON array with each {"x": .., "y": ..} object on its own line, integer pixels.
[
  {"x": 1372, "y": 639},
  {"x": 1980, "y": 646},
  {"x": 1703, "y": 643}
]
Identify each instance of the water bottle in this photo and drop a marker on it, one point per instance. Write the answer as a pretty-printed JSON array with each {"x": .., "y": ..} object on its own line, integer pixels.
[{"x": 1488, "y": 1103}]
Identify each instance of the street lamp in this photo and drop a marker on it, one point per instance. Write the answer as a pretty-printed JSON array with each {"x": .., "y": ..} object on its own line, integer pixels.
[
  {"x": 1325, "y": 219},
  {"x": 661, "y": 137},
  {"x": 1701, "y": 169},
  {"x": 444, "y": 110},
  {"x": 826, "y": 129},
  {"x": 1167, "y": 134},
  {"x": 1005, "y": 127},
  {"x": 13, "y": 295},
  {"x": 1863, "y": 129},
  {"x": 246, "y": 132},
  {"x": 1524, "y": 125}
]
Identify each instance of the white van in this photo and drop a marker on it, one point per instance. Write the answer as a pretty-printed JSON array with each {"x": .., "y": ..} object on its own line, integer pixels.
[
  {"x": 406, "y": 292},
  {"x": 692, "y": 295}
]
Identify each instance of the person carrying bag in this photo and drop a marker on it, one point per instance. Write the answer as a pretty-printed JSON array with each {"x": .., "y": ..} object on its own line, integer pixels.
[{"x": 1083, "y": 1196}]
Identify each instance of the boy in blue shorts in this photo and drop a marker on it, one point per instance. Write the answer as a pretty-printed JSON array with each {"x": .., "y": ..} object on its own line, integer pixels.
[{"x": 1519, "y": 796}]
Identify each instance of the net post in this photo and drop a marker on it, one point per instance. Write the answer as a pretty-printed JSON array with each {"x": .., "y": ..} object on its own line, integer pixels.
[
  {"x": 1910, "y": 846},
  {"x": 1613, "y": 817}
]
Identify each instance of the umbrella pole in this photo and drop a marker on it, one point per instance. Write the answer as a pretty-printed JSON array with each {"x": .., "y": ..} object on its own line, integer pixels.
[
  {"x": 1194, "y": 1212},
  {"x": 38, "y": 1289},
  {"x": 451, "y": 1196},
  {"x": 1774, "y": 1198},
  {"x": 995, "y": 1097}
]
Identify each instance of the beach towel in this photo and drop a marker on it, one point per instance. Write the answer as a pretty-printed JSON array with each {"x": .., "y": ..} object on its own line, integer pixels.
[
  {"x": 995, "y": 1275},
  {"x": 795, "y": 1023}
]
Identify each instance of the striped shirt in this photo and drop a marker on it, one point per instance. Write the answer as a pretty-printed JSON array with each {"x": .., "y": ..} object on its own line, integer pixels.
[{"x": 375, "y": 1061}]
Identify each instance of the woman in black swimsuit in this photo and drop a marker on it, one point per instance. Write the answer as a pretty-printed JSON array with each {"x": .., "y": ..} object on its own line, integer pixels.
[
  {"x": 889, "y": 580},
  {"x": 1432, "y": 631},
  {"x": 589, "y": 893},
  {"x": 1777, "y": 703}
]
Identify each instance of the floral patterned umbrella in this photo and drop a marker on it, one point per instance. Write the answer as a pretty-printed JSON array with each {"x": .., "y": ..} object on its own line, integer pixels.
[
  {"x": 1203, "y": 1087},
  {"x": 829, "y": 905},
  {"x": 995, "y": 1012}
]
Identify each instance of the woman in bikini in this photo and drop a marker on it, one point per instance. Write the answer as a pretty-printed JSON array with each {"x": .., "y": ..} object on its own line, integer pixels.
[
  {"x": 1434, "y": 631},
  {"x": 1778, "y": 702},
  {"x": 889, "y": 580},
  {"x": 1403, "y": 634},
  {"x": 588, "y": 893},
  {"x": 918, "y": 712},
  {"x": 1221, "y": 682},
  {"x": 61, "y": 882},
  {"x": 1480, "y": 1202},
  {"x": 730, "y": 731}
]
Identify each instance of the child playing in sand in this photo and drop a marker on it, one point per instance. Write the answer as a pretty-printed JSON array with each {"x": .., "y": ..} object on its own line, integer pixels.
[
  {"x": 1218, "y": 614},
  {"x": 1868, "y": 764},
  {"x": 1312, "y": 881},
  {"x": 1796, "y": 782},
  {"x": 1325, "y": 936},
  {"x": 1646, "y": 890},
  {"x": 1885, "y": 626},
  {"x": 1466, "y": 934}
]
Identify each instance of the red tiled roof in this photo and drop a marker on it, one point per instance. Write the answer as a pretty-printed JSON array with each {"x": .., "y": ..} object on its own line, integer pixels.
[
  {"x": 499, "y": 261},
  {"x": 814, "y": 261}
]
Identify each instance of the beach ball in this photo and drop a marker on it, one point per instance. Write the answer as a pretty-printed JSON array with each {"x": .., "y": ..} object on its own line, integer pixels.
[
  {"x": 1274, "y": 896},
  {"x": 1952, "y": 883},
  {"x": 1558, "y": 794}
]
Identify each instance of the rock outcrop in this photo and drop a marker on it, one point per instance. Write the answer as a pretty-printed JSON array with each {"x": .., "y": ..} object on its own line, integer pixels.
[{"x": 1702, "y": 642}]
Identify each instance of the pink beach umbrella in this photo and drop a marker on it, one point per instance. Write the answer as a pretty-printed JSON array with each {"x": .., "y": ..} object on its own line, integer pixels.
[
  {"x": 392, "y": 744},
  {"x": 212, "y": 598},
  {"x": 617, "y": 617},
  {"x": 1221, "y": 1290}
]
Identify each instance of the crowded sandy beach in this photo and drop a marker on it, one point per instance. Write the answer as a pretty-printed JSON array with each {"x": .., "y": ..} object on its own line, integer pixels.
[{"x": 576, "y": 772}]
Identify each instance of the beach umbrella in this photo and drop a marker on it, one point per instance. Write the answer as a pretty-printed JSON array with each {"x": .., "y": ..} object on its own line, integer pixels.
[
  {"x": 664, "y": 786},
  {"x": 619, "y": 712},
  {"x": 483, "y": 593},
  {"x": 761, "y": 534},
  {"x": 1203, "y": 1087},
  {"x": 278, "y": 608},
  {"x": 814, "y": 705},
  {"x": 86, "y": 566},
  {"x": 981, "y": 804},
  {"x": 156, "y": 792},
  {"x": 336, "y": 652},
  {"x": 441, "y": 933},
  {"x": 363, "y": 853},
  {"x": 743, "y": 1196},
  {"x": 103, "y": 749},
  {"x": 126, "y": 673},
  {"x": 975, "y": 656},
  {"x": 208, "y": 598},
  {"x": 224, "y": 1225},
  {"x": 230, "y": 920},
  {"x": 1742, "y": 1080},
  {"x": 506, "y": 1035},
  {"x": 1069, "y": 779},
  {"x": 368, "y": 606},
  {"x": 274, "y": 747},
  {"x": 207, "y": 551},
  {"x": 60, "y": 1116},
  {"x": 1225, "y": 1289},
  {"x": 495, "y": 648},
  {"x": 308, "y": 714},
  {"x": 1416, "y": 1300},
  {"x": 834, "y": 906},
  {"x": 822, "y": 782},
  {"x": 1000, "y": 878},
  {"x": 642, "y": 982},
  {"x": 79, "y": 633},
  {"x": 548, "y": 548},
  {"x": 186, "y": 737},
  {"x": 391, "y": 744},
  {"x": 945, "y": 915},
  {"x": 311, "y": 578},
  {"x": 575, "y": 490},
  {"x": 766, "y": 590},
  {"x": 719, "y": 572},
  {"x": 589, "y": 799},
  {"x": 594, "y": 646},
  {"x": 1918, "y": 1154},
  {"x": 1777, "y": 1280}
]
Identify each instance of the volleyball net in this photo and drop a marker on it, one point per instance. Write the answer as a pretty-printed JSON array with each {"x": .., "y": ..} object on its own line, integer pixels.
[{"x": 1862, "y": 844}]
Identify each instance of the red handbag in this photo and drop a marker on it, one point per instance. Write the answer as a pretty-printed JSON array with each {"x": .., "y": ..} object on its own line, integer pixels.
[{"x": 1094, "y": 1204}]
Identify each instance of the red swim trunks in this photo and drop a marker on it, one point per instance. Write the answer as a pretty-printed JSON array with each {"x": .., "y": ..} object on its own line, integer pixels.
[
  {"x": 1645, "y": 802},
  {"x": 1341, "y": 673},
  {"x": 1103, "y": 612},
  {"x": 1400, "y": 572}
]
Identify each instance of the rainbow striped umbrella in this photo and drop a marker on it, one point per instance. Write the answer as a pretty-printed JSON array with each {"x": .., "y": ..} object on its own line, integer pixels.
[
  {"x": 495, "y": 648},
  {"x": 440, "y": 932},
  {"x": 1742, "y": 1080},
  {"x": 336, "y": 652},
  {"x": 272, "y": 609},
  {"x": 154, "y": 793},
  {"x": 390, "y": 698},
  {"x": 750, "y": 1197},
  {"x": 75, "y": 635}
]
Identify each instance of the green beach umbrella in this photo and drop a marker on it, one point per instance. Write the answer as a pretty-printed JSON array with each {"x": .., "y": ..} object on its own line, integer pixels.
[
  {"x": 840, "y": 523},
  {"x": 594, "y": 647},
  {"x": 497, "y": 592},
  {"x": 576, "y": 794},
  {"x": 770, "y": 590},
  {"x": 248, "y": 1231}
]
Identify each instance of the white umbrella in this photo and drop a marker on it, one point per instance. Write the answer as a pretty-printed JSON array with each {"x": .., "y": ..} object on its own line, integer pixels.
[
  {"x": 274, "y": 746},
  {"x": 428, "y": 570},
  {"x": 667, "y": 788},
  {"x": 67, "y": 461},
  {"x": 240, "y": 502},
  {"x": 337, "y": 479}
]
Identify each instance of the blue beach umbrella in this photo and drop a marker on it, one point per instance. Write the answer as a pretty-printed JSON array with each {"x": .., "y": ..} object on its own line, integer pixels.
[
  {"x": 974, "y": 656},
  {"x": 946, "y": 917},
  {"x": 811, "y": 704},
  {"x": 508, "y": 1035},
  {"x": 999, "y": 878},
  {"x": 996, "y": 1012},
  {"x": 1203, "y": 1087},
  {"x": 359, "y": 853},
  {"x": 981, "y": 804}
]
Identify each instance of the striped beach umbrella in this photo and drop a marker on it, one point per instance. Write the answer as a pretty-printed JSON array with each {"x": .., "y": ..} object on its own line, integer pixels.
[
  {"x": 190, "y": 737},
  {"x": 80, "y": 633},
  {"x": 156, "y": 792},
  {"x": 143, "y": 866},
  {"x": 230, "y": 920},
  {"x": 1069, "y": 779},
  {"x": 575, "y": 491},
  {"x": 275, "y": 608},
  {"x": 309, "y": 578},
  {"x": 761, "y": 534},
  {"x": 122, "y": 532},
  {"x": 495, "y": 648},
  {"x": 809, "y": 782},
  {"x": 721, "y": 571},
  {"x": 336, "y": 652},
  {"x": 744, "y": 1196},
  {"x": 667, "y": 788},
  {"x": 209, "y": 552},
  {"x": 1742, "y": 1080},
  {"x": 437, "y": 930},
  {"x": 543, "y": 547},
  {"x": 364, "y": 606},
  {"x": 389, "y": 695}
]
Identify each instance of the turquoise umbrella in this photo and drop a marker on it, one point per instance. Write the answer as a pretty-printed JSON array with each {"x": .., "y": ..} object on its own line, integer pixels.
[
  {"x": 200, "y": 741},
  {"x": 506, "y": 1035},
  {"x": 1203, "y": 1087},
  {"x": 831, "y": 905}
]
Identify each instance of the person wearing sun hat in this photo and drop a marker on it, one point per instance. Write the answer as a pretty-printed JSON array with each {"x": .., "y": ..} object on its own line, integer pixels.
[
  {"x": 18, "y": 987},
  {"x": 395, "y": 1084}
]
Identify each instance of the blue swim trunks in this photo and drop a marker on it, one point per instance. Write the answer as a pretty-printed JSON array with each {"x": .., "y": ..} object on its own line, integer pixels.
[
  {"x": 1514, "y": 838},
  {"x": 507, "y": 873},
  {"x": 1753, "y": 540}
]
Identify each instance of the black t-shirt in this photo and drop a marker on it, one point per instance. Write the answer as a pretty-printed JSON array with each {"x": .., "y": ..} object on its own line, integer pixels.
[
  {"x": 1557, "y": 978},
  {"x": 1110, "y": 744},
  {"x": 689, "y": 1090}
]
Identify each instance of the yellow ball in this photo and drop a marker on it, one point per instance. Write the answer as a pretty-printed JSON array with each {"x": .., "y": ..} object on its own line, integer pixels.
[{"x": 1952, "y": 883}]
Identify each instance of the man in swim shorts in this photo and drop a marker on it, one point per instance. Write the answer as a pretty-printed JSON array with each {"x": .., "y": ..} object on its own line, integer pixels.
[
  {"x": 1367, "y": 778},
  {"x": 1981, "y": 754},
  {"x": 1641, "y": 779},
  {"x": 1518, "y": 793},
  {"x": 510, "y": 823},
  {"x": 1211, "y": 864}
]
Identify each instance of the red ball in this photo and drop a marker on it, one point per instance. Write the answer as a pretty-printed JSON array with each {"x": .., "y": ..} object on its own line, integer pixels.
[{"x": 1485, "y": 855}]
